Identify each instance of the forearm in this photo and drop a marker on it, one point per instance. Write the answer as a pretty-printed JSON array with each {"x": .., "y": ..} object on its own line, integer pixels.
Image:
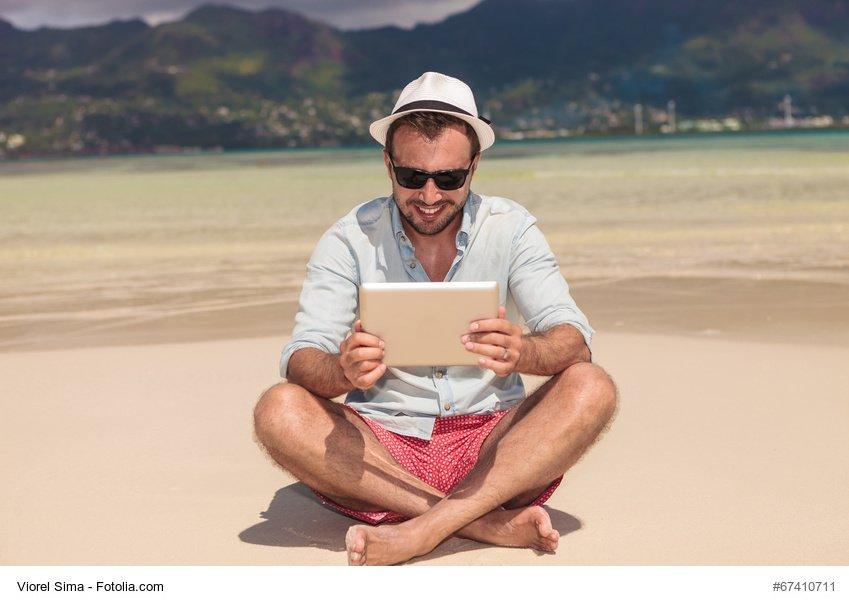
[
  {"x": 552, "y": 351},
  {"x": 318, "y": 372}
]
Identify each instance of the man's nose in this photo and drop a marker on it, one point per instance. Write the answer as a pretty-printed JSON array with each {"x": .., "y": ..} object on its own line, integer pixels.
[{"x": 431, "y": 192}]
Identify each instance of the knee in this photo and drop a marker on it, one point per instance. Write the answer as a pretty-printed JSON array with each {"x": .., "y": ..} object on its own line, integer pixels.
[
  {"x": 596, "y": 388},
  {"x": 278, "y": 412}
]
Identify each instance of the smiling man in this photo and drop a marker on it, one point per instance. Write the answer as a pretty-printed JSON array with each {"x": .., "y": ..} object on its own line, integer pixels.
[{"x": 421, "y": 454}]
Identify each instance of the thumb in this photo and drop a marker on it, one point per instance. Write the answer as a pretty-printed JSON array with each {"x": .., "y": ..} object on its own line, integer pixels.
[
  {"x": 502, "y": 312},
  {"x": 358, "y": 326}
]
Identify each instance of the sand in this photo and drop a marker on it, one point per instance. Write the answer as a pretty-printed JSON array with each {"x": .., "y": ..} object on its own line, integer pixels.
[{"x": 724, "y": 452}]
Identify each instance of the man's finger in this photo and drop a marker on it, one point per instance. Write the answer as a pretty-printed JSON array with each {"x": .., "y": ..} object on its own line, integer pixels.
[
  {"x": 491, "y": 325},
  {"x": 502, "y": 369},
  {"x": 494, "y": 352},
  {"x": 502, "y": 312},
  {"x": 489, "y": 338},
  {"x": 370, "y": 378},
  {"x": 364, "y": 339},
  {"x": 358, "y": 326},
  {"x": 366, "y": 366},
  {"x": 360, "y": 354}
]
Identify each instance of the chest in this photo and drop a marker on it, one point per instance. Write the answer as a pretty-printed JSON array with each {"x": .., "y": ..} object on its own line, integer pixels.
[
  {"x": 436, "y": 265},
  {"x": 394, "y": 259}
]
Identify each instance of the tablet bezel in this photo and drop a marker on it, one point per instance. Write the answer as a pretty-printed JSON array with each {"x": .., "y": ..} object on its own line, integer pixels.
[{"x": 421, "y": 322}]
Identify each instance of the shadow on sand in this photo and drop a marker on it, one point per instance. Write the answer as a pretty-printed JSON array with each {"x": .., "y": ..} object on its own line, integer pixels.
[{"x": 295, "y": 518}]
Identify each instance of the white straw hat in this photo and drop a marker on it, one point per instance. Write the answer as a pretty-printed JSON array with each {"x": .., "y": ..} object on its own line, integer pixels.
[{"x": 435, "y": 92}]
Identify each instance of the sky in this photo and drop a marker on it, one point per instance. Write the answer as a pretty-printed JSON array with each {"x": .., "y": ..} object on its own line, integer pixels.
[{"x": 345, "y": 14}]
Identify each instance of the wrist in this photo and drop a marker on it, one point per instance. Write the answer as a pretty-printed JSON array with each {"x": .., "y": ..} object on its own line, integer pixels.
[
  {"x": 344, "y": 383},
  {"x": 525, "y": 353}
]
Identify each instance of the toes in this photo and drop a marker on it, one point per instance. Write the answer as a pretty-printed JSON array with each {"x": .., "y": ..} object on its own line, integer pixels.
[
  {"x": 547, "y": 546},
  {"x": 553, "y": 540},
  {"x": 549, "y": 540},
  {"x": 543, "y": 522},
  {"x": 355, "y": 543}
]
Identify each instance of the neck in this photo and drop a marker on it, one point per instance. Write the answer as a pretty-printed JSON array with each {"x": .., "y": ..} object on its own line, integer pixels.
[{"x": 425, "y": 244}]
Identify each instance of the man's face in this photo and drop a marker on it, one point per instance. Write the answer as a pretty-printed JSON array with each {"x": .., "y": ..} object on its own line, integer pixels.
[{"x": 450, "y": 150}]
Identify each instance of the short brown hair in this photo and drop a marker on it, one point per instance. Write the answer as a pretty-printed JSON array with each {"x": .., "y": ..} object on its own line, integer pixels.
[{"x": 430, "y": 125}]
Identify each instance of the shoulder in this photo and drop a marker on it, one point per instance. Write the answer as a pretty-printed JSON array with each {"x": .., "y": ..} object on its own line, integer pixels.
[
  {"x": 355, "y": 233},
  {"x": 366, "y": 216},
  {"x": 501, "y": 214},
  {"x": 498, "y": 205}
]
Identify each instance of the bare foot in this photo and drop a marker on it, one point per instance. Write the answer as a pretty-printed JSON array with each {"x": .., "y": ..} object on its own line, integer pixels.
[
  {"x": 396, "y": 543},
  {"x": 526, "y": 527},
  {"x": 382, "y": 545}
]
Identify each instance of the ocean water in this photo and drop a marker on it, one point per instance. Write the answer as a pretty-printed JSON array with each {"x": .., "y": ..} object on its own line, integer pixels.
[{"x": 109, "y": 242}]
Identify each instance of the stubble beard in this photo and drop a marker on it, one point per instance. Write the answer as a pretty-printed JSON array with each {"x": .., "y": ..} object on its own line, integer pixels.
[{"x": 430, "y": 229}]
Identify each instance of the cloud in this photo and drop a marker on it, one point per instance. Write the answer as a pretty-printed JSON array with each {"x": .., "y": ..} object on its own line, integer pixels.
[{"x": 345, "y": 14}]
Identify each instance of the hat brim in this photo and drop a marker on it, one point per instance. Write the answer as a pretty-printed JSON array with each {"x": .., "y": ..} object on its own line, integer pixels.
[{"x": 486, "y": 136}]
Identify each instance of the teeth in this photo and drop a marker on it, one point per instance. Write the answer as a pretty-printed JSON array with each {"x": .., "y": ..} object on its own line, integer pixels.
[{"x": 429, "y": 211}]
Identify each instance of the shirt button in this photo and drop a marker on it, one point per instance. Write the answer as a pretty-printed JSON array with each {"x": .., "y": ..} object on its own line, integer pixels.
[
  {"x": 447, "y": 406},
  {"x": 412, "y": 264},
  {"x": 438, "y": 374}
]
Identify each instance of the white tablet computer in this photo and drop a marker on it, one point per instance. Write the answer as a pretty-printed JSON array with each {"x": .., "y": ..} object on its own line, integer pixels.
[{"x": 422, "y": 322}]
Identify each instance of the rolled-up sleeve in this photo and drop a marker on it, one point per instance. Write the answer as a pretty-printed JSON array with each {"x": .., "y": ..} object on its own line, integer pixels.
[
  {"x": 539, "y": 289},
  {"x": 329, "y": 298}
]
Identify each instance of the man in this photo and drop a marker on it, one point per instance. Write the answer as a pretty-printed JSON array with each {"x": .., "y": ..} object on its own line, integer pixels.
[{"x": 456, "y": 450}]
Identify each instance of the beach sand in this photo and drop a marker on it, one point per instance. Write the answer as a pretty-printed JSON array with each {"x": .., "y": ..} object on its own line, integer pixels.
[
  {"x": 144, "y": 303},
  {"x": 724, "y": 452}
]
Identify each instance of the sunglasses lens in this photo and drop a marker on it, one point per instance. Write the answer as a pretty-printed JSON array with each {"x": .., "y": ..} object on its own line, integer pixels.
[
  {"x": 451, "y": 180},
  {"x": 410, "y": 178}
]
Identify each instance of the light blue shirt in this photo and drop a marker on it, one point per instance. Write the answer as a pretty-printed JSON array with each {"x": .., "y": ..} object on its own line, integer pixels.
[{"x": 497, "y": 240}]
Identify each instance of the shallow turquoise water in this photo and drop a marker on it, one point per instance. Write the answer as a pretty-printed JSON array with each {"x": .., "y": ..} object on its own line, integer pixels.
[{"x": 121, "y": 237}]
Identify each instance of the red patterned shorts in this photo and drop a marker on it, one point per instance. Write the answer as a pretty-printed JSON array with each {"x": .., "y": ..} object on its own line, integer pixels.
[{"x": 441, "y": 462}]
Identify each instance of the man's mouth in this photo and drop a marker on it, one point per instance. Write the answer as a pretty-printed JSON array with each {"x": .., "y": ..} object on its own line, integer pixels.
[{"x": 430, "y": 213}]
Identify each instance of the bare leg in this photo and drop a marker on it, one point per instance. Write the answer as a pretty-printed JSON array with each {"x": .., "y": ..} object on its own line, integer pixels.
[
  {"x": 541, "y": 443},
  {"x": 332, "y": 450}
]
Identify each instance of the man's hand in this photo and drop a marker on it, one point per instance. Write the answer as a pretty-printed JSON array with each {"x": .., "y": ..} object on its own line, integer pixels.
[
  {"x": 497, "y": 341},
  {"x": 360, "y": 356}
]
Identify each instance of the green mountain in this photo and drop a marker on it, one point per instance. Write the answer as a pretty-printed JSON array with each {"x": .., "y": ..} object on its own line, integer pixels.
[
  {"x": 711, "y": 57},
  {"x": 233, "y": 78}
]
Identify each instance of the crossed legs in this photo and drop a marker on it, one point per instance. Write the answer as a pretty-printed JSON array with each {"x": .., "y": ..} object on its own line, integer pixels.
[{"x": 332, "y": 450}]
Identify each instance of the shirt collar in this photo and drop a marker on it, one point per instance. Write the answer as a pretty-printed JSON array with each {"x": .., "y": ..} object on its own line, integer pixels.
[{"x": 463, "y": 233}]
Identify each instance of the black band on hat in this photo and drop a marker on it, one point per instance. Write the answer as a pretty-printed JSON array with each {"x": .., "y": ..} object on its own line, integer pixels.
[{"x": 429, "y": 104}]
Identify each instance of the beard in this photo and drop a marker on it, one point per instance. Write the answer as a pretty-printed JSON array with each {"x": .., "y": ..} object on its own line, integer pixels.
[{"x": 428, "y": 228}]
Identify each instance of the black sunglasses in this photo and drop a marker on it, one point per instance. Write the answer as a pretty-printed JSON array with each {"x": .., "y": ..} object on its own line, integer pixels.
[{"x": 413, "y": 178}]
